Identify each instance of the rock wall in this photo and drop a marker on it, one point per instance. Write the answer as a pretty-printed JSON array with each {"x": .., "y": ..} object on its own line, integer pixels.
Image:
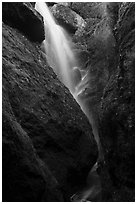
[
  {"x": 67, "y": 18},
  {"x": 48, "y": 145},
  {"x": 25, "y": 18},
  {"x": 96, "y": 52},
  {"x": 118, "y": 110},
  {"x": 105, "y": 50}
]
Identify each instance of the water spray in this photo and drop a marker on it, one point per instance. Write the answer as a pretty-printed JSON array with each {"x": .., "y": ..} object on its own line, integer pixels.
[{"x": 61, "y": 58}]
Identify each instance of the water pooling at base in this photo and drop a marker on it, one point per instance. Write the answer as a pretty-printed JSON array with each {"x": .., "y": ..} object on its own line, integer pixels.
[{"x": 61, "y": 58}]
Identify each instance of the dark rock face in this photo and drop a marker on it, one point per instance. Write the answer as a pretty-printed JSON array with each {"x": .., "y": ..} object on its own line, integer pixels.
[
  {"x": 108, "y": 45},
  {"x": 50, "y": 3},
  {"x": 48, "y": 145},
  {"x": 41, "y": 109},
  {"x": 68, "y": 4},
  {"x": 117, "y": 110},
  {"x": 33, "y": 4},
  {"x": 25, "y": 18},
  {"x": 89, "y": 9},
  {"x": 96, "y": 55},
  {"x": 67, "y": 18},
  {"x": 25, "y": 176},
  {"x": 112, "y": 9}
]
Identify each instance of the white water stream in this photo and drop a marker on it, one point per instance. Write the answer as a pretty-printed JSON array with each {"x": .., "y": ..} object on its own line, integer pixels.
[{"x": 61, "y": 58}]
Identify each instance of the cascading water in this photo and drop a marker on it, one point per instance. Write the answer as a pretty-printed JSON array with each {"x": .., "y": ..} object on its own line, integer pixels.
[{"x": 61, "y": 58}]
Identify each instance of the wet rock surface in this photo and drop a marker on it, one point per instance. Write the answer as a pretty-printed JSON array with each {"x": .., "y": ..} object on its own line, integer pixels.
[
  {"x": 109, "y": 62},
  {"x": 25, "y": 176},
  {"x": 43, "y": 118},
  {"x": 96, "y": 55},
  {"x": 67, "y": 18},
  {"x": 45, "y": 110},
  {"x": 118, "y": 111},
  {"x": 89, "y": 9},
  {"x": 25, "y": 18}
]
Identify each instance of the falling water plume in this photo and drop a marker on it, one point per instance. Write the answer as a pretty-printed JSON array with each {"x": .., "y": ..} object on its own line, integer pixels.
[
  {"x": 61, "y": 58},
  {"x": 57, "y": 47}
]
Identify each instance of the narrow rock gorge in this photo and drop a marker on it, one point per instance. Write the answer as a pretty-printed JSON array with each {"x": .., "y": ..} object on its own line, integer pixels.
[{"x": 58, "y": 146}]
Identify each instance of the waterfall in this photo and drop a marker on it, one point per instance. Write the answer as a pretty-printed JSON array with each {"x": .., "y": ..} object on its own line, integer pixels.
[{"x": 61, "y": 58}]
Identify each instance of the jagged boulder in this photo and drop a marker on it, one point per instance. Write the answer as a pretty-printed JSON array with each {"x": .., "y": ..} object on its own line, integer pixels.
[
  {"x": 46, "y": 112},
  {"x": 25, "y": 18},
  {"x": 117, "y": 113},
  {"x": 67, "y": 18}
]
